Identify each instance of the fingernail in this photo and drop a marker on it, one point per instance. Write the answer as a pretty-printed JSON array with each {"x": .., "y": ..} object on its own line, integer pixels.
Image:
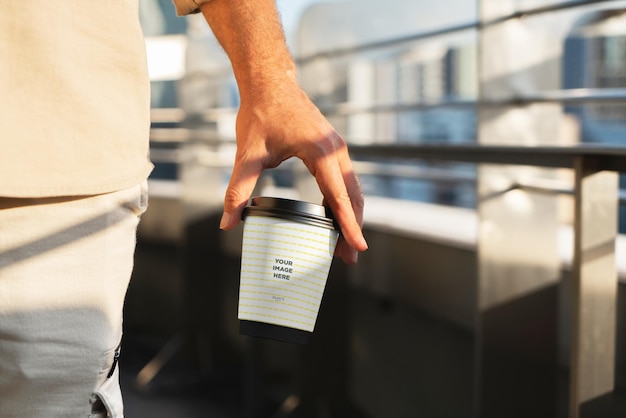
[{"x": 225, "y": 221}]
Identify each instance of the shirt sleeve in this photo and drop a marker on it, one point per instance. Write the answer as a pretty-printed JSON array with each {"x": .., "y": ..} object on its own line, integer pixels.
[{"x": 185, "y": 7}]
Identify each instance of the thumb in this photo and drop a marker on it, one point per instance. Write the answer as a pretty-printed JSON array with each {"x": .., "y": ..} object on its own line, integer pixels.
[{"x": 242, "y": 182}]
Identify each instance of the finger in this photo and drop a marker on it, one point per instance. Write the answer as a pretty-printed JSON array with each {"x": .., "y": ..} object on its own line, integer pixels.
[
  {"x": 353, "y": 186},
  {"x": 348, "y": 254},
  {"x": 241, "y": 185},
  {"x": 343, "y": 250},
  {"x": 343, "y": 195}
]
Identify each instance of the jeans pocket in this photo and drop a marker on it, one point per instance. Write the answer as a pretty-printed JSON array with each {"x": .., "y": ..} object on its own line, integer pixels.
[{"x": 106, "y": 401}]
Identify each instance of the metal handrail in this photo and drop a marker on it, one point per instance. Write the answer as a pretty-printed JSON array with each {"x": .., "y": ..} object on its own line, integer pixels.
[
  {"x": 565, "y": 96},
  {"x": 550, "y": 187},
  {"x": 412, "y": 172},
  {"x": 338, "y": 52},
  {"x": 605, "y": 157},
  {"x": 557, "y": 7}
]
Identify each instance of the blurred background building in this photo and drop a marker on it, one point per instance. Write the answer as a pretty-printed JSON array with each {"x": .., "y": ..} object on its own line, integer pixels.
[{"x": 474, "y": 298}]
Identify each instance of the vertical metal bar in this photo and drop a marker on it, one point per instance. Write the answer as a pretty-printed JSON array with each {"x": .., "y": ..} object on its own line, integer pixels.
[{"x": 594, "y": 284}]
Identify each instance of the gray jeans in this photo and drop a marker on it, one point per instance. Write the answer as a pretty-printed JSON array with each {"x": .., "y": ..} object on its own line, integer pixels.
[{"x": 65, "y": 265}]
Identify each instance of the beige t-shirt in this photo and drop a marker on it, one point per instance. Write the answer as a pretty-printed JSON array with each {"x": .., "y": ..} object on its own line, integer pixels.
[{"x": 74, "y": 97}]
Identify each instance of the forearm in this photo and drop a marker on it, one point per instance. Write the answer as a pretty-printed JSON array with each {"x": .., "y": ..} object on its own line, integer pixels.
[
  {"x": 276, "y": 120},
  {"x": 251, "y": 33}
]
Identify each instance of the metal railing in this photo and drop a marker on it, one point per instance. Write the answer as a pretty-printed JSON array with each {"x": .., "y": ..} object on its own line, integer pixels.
[
  {"x": 590, "y": 164},
  {"x": 419, "y": 36},
  {"x": 595, "y": 192}
]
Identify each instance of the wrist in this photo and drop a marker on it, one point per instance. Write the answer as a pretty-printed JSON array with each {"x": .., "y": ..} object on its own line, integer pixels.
[
  {"x": 251, "y": 34},
  {"x": 261, "y": 82}
]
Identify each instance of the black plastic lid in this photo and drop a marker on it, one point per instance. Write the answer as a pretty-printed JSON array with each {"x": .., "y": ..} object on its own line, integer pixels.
[{"x": 295, "y": 210}]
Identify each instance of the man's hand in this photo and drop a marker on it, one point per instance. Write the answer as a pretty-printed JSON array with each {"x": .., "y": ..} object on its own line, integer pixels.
[
  {"x": 285, "y": 124},
  {"x": 277, "y": 121}
]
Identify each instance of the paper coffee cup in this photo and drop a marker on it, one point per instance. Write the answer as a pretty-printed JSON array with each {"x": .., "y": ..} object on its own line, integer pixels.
[{"x": 288, "y": 247}]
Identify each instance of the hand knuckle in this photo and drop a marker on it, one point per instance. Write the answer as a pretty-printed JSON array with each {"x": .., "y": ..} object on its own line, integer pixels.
[{"x": 233, "y": 197}]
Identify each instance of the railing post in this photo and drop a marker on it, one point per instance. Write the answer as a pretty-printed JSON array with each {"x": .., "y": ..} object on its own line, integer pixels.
[{"x": 594, "y": 285}]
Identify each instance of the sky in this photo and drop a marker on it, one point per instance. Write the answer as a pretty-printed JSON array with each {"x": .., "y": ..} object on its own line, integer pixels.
[{"x": 290, "y": 11}]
